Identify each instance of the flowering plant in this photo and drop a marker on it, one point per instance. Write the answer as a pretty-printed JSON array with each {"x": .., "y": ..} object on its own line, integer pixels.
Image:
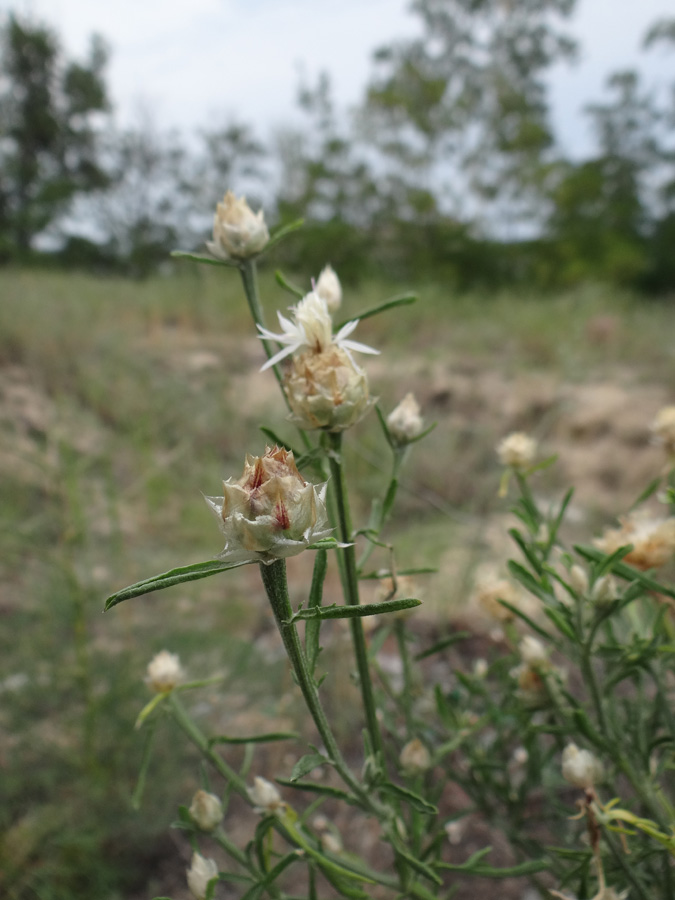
[{"x": 571, "y": 711}]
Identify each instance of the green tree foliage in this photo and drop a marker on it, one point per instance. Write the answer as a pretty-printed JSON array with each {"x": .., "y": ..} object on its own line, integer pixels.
[
  {"x": 48, "y": 137},
  {"x": 468, "y": 96}
]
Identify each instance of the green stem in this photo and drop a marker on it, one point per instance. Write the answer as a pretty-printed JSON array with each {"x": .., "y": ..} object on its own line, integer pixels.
[
  {"x": 351, "y": 589},
  {"x": 276, "y": 586},
  {"x": 201, "y": 742},
  {"x": 408, "y": 682}
]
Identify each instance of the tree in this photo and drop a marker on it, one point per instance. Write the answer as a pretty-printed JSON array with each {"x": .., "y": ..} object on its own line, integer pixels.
[
  {"x": 467, "y": 101},
  {"x": 48, "y": 136}
]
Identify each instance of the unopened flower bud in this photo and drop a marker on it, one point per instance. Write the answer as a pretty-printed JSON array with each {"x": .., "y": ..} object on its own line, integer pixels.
[
  {"x": 271, "y": 512},
  {"x": 455, "y": 830},
  {"x": 579, "y": 580},
  {"x": 405, "y": 421},
  {"x": 604, "y": 589},
  {"x": 206, "y": 810},
  {"x": 164, "y": 672},
  {"x": 327, "y": 390},
  {"x": 264, "y": 796},
  {"x": 238, "y": 232},
  {"x": 580, "y": 767},
  {"x": 201, "y": 872},
  {"x": 533, "y": 652},
  {"x": 328, "y": 286},
  {"x": 415, "y": 758},
  {"x": 517, "y": 450}
]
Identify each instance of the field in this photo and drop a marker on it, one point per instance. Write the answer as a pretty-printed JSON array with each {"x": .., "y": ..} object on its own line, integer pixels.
[{"x": 122, "y": 402}]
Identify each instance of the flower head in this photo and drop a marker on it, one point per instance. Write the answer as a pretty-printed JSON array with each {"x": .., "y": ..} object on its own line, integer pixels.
[
  {"x": 580, "y": 767},
  {"x": 201, "y": 872},
  {"x": 311, "y": 331},
  {"x": 206, "y": 810},
  {"x": 164, "y": 672},
  {"x": 663, "y": 429},
  {"x": 405, "y": 421},
  {"x": 326, "y": 390},
  {"x": 517, "y": 450},
  {"x": 329, "y": 288},
  {"x": 415, "y": 758},
  {"x": 238, "y": 232},
  {"x": 271, "y": 512},
  {"x": 653, "y": 540},
  {"x": 264, "y": 796}
]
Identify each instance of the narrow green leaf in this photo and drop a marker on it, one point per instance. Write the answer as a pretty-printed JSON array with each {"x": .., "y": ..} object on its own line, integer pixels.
[
  {"x": 283, "y": 231},
  {"x": 528, "y": 581},
  {"x": 352, "y": 612},
  {"x": 651, "y": 489},
  {"x": 307, "y": 764},
  {"x": 318, "y": 788},
  {"x": 418, "y": 865},
  {"x": 623, "y": 570},
  {"x": 170, "y": 578},
  {"x": 527, "y": 551},
  {"x": 329, "y": 543},
  {"x": 521, "y": 615},
  {"x": 560, "y": 622},
  {"x": 274, "y": 438},
  {"x": 137, "y": 795},
  {"x": 379, "y": 574},
  {"x": 208, "y": 260},
  {"x": 443, "y": 645},
  {"x": 410, "y": 797},
  {"x": 401, "y": 300},
  {"x": 256, "y": 738},
  {"x": 287, "y": 285},
  {"x": 313, "y": 626},
  {"x": 526, "y": 868}
]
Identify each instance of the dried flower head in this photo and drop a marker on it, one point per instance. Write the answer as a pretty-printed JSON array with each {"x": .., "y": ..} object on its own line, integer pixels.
[
  {"x": 326, "y": 390},
  {"x": 663, "y": 429},
  {"x": 405, "y": 421},
  {"x": 415, "y": 758},
  {"x": 201, "y": 872},
  {"x": 238, "y": 232},
  {"x": 489, "y": 591},
  {"x": 265, "y": 797},
  {"x": 271, "y": 512},
  {"x": 311, "y": 331},
  {"x": 328, "y": 287},
  {"x": 164, "y": 672},
  {"x": 653, "y": 540},
  {"x": 206, "y": 810},
  {"x": 580, "y": 767},
  {"x": 517, "y": 450}
]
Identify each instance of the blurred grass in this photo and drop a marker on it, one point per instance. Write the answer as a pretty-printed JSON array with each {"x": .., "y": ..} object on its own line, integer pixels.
[{"x": 120, "y": 402}]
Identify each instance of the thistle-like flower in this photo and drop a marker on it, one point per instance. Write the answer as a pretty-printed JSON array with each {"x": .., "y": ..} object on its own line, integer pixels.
[
  {"x": 312, "y": 330},
  {"x": 201, "y": 872},
  {"x": 238, "y": 232},
  {"x": 329, "y": 288},
  {"x": 326, "y": 390},
  {"x": 265, "y": 798},
  {"x": 164, "y": 672},
  {"x": 271, "y": 512},
  {"x": 580, "y": 767},
  {"x": 206, "y": 810},
  {"x": 653, "y": 540},
  {"x": 405, "y": 421},
  {"x": 517, "y": 450}
]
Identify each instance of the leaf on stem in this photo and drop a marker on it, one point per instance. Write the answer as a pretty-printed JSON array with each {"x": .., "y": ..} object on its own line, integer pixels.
[
  {"x": 208, "y": 260},
  {"x": 287, "y": 285},
  {"x": 168, "y": 579},
  {"x": 353, "y": 612},
  {"x": 308, "y": 763},
  {"x": 415, "y": 800},
  {"x": 402, "y": 300},
  {"x": 283, "y": 231},
  {"x": 255, "y": 738}
]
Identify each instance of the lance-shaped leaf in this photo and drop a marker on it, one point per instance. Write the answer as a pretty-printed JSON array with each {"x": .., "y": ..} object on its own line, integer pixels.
[
  {"x": 402, "y": 300},
  {"x": 255, "y": 738},
  {"x": 168, "y": 579},
  {"x": 206, "y": 259},
  {"x": 352, "y": 612},
  {"x": 623, "y": 570},
  {"x": 410, "y": 797}
]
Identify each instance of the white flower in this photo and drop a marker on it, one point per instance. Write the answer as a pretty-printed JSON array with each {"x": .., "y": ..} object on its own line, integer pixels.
[
  {"x": 415, "y": 758},
  {"x": 517, "y": 450},
  {"x": 580, "y": 767},
  {"x": 206, "y": 810},
  {"x": 579, "y": 580},
  {"x": 264, "y": 796},
  {"x": 311, "y": 329},
  {"x": 533, "y": 652},
  {"x": 164, "y": 672},
  {"x": 328, "y": 287},
  {"x": 405, "y": 421},
  {"x": 200, "y": 873},
  {"x": 238, "y": 232},
  {"x": 271, "y": 512}
]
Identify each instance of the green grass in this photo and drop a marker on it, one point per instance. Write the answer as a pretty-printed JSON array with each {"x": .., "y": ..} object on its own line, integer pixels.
[{"x": 121, "y": 402}]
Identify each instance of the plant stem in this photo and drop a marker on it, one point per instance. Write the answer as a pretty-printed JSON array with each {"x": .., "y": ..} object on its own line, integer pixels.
[
  {"x": 350, "y": 586},
  {"x": 276, "y": 586}
]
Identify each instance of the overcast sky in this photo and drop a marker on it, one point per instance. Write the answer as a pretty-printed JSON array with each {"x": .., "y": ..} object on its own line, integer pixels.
[{"x": 191, "y": 61}]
